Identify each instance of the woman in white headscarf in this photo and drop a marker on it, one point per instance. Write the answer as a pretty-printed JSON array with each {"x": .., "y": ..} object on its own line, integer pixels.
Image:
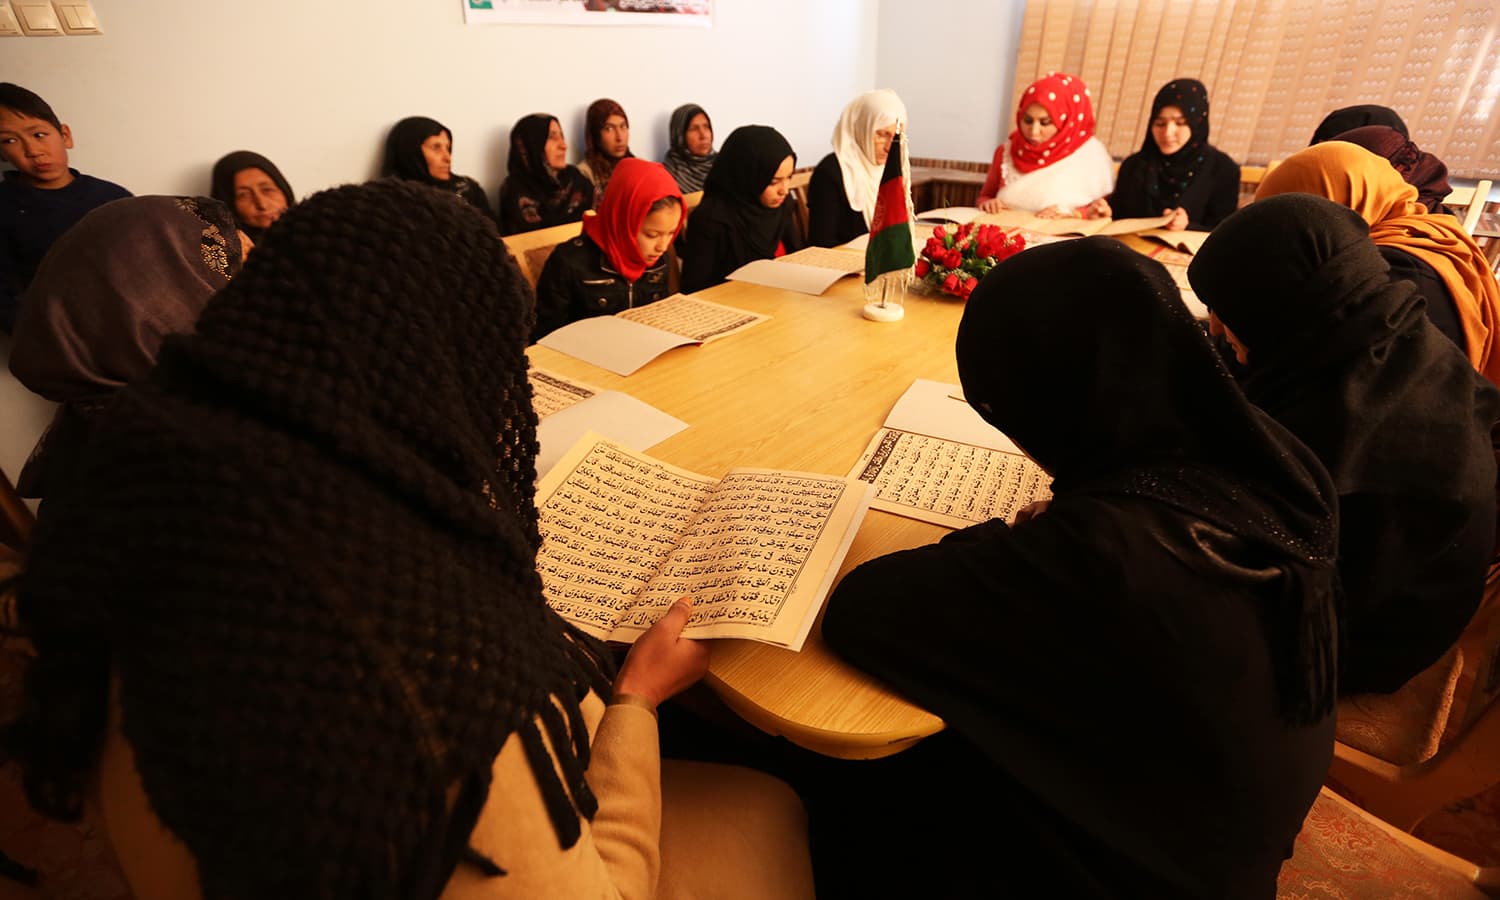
[{"x": 841, "y": 195}]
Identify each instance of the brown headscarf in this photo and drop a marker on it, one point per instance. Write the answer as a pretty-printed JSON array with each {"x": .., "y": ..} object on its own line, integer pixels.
[
  {"x": 1354, "y": 177},
  {"x": 1422, "y": 170},
  {"x": 127, "y": 275},
  {"x": 601, "y": 165}
]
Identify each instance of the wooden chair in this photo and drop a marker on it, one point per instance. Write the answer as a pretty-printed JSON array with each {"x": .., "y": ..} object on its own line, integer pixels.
[
  {"x": 1468, "y": 203},
  {"x": 16, "y": 519},
  {"x": 531, "y": 248},
  {"x": 1400, "y": 757},
  {"x": 798, "y": 197},
  {"x": 1251, "y": 177},
  {"x": 1345, "y": 853}
]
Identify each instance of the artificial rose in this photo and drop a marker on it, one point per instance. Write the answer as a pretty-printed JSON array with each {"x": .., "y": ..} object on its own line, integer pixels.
[{"x": 923, "y": 267}]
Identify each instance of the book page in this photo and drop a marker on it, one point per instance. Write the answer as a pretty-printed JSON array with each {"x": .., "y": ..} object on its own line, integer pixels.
[
  {"x": 791, "y": 276},
  {"x": 958, "y": 214},
  {"x": 948, "y": 483},
  {"x": 1130, "y": 226},
  {"x": 551, "y": 392},
  {"x": 613, "y": 343},
  {"x": 1015, "y": 218},
  {"x": 939, "y": 410},
  {"x": 1186, "y": 241},
  {"x": 697, "y": 319},
  {"x": 759, "y": 559},
  {"x": 845, "y": 261},
  {"x": 1176, "y": 263},
  {"x": 608, "y": 519},
  {"x": 610, "y": 414},
  {"x": 624, "y": 536}
]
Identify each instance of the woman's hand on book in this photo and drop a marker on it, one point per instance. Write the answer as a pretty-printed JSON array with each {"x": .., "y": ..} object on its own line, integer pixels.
[
  {"x": 1031, "y": 511},
  {"x": 1099, "y": 209},
  {"x": 661, "y": 662},
  {"x": 992, "y": 205},
  {"x": 1179, "y": 219}
]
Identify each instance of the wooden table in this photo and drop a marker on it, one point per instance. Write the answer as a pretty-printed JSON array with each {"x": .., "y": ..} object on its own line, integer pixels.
[{"x": 804, "y": 391}]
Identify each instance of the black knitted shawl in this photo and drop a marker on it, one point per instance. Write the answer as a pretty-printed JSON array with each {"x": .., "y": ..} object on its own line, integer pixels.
[{"x": 305, "y": 548}]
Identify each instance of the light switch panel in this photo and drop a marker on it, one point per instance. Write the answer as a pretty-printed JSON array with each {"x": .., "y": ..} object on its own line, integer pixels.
[
  {"x": 37, "y": 18},
  {"x": 9, "y": 27},
  {"x": 76, "y": 16}
]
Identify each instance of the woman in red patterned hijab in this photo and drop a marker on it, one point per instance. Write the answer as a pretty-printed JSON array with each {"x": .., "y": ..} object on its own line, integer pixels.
[{"x": 1052, "y": 164}]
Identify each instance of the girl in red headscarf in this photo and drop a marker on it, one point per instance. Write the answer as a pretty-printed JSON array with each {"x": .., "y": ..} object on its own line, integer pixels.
[
  {"x": 1052, "y": 164},
  {"x": 620, "y": 260}
]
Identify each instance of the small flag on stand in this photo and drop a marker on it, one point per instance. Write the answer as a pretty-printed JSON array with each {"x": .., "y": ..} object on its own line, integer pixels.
[{"x": 890, "y": 254}]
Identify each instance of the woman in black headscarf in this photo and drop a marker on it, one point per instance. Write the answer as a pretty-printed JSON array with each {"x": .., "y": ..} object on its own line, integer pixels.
[
  {"x": 692, "y": 155},
  {"x": 1347, "y": 360},
  {"x": 744, "y": 215},
  {"x": 290, "y": 630},
  {"x": 251, "y": 186},
  {"x": 1351, "y": 117},
  {"x": 1138, "y": 681},
  {"x": 1176, "y": 170},
  {"x": 542, "y": 189},
  {"x": 421, "y": 150}
]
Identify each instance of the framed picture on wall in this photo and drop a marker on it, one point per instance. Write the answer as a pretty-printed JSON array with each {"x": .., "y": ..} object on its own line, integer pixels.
[{"x": 691, "y": 13}]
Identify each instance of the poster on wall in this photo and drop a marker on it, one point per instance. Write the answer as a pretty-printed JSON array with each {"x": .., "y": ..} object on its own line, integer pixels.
[{"x": 589, "y": 12}]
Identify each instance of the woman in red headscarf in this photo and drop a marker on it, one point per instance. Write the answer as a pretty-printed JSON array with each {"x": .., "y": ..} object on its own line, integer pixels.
[
  {"x": 1052, "y": 164},
  {"x": 620, "y": 260}
]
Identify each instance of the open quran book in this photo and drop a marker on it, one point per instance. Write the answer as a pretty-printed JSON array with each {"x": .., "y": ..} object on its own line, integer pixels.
[
  {"x": 1015, "y": 218},
  {"x": 624, "y": 536},
  {"x": 624, "y": 342},
  {"x": 936, "y": 460}
]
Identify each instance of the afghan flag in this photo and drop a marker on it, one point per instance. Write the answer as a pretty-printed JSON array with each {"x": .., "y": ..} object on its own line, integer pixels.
[{"x": 890, "y": 255}]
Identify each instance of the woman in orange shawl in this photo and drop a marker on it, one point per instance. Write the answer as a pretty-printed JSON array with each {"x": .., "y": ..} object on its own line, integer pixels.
[{"x": 1368, "y": 184}]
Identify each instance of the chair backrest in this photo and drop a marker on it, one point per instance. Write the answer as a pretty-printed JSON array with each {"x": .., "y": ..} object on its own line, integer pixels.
[
  {"x": 797, "y": 185},
  {"x": 531, "y": 248},
  {"x": 1468, "y": 203},
  {"x": 16, "y": 519}
]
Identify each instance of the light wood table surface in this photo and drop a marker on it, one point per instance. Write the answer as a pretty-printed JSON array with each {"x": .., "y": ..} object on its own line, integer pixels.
[{"x": 803, "y": 391}]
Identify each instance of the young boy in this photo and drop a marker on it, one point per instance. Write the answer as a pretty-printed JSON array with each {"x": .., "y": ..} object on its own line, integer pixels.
[{"x": 42, "y": 198}]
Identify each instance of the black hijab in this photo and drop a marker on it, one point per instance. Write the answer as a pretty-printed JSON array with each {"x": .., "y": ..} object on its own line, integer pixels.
[
  {"x": 1181, "y": 582},
  {"x": 742, "y": 229},
  {"x": 403, "y": 150},
  {"x": 305, "y": 547},
  {"x": 1151, "y": 412},
  {"x": 1166, "y": 180},
  {"x": 223, "y": 183},
  {"x": 534, "y": 194},
  {"x": 1351, "y": 117},
  {"x": 1348, "y": 361}
]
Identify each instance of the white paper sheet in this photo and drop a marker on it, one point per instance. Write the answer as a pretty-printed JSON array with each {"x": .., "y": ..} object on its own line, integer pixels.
[
  {"x": 613, "y": 343},
  {"x": 929, "y": 407},
  {"x": 619, "y": 417}
]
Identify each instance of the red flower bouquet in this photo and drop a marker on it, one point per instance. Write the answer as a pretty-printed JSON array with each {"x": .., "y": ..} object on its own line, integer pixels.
[{"x": 954, "y": 261}]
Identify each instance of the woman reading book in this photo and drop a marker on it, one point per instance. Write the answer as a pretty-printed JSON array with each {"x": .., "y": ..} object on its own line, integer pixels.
[
  {"x": 744, "y": 215},
  {"x": 620, "y": 261},
  {"x": 1161, "y": 633},
  {"x": 1344, "y": 357},
  {"x": 292, "y": 641},
  {"x": 1053, "y": 164},
  {"x": 1177, "y": 172}
]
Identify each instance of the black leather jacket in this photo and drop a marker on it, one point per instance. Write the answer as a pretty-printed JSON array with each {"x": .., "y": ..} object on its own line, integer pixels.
[{"x": 578, "y": 281}]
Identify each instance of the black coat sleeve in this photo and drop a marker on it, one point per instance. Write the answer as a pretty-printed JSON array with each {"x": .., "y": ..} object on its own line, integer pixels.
[
  {"x": 554, "y": 294},
  {"x": 707, "y": 259},
  {"x": 1223, "y": 199}
]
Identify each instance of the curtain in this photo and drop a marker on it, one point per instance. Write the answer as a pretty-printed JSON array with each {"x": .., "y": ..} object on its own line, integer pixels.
[{"x": 1274, "y": 68}]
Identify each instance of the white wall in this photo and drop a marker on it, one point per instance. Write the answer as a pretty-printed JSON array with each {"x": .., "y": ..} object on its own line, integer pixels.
[
  {"x": 171, "y": 85},
  {"x": 952, "y": 62}
]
